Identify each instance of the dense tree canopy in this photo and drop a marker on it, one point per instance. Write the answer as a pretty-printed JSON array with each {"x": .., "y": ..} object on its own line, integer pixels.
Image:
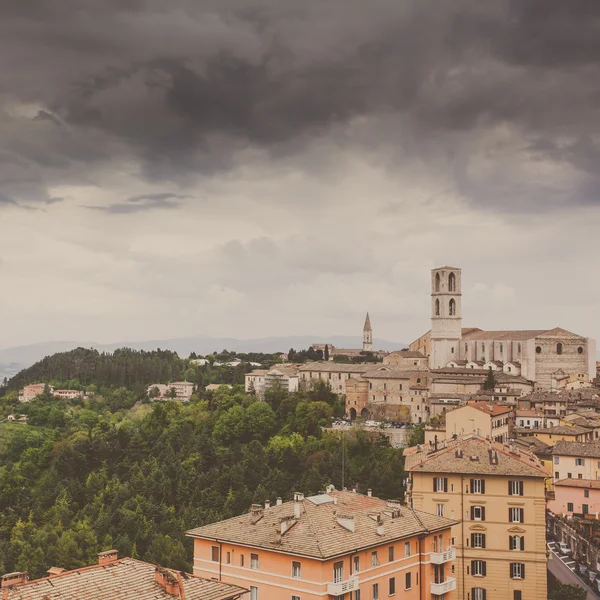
[{"x": 109, "y": 471}]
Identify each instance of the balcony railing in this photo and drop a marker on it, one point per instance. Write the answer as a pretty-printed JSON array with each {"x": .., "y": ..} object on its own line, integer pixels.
[
  {"x": 442, "y": 588},
  {"x": 437, "y": 558},
  {"x": 342, "y": 587}
]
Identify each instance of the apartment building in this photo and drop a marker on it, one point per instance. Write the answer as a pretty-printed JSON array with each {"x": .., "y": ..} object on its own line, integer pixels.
[
  {"x": 565, "y": 433},
  {"x": 576, "y": 460},
  {"x": 575, "y": 497},
  {"x": 497, "y": 494},
  {"x": 177, "y": 390},
  {"x": 116, "y": 578},
  {"x": 488, "y": 420},
  {"x": 339, "y": 545}
]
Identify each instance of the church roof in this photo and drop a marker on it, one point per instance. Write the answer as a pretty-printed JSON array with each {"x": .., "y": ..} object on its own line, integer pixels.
[
  {"x": 447, "y": 267},
  {"x": 367, "y": 326},
  {"x": 515, "y": 334}
]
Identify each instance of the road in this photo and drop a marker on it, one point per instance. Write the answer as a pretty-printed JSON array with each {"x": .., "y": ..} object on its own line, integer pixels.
[{"x": 561, "y": 568}]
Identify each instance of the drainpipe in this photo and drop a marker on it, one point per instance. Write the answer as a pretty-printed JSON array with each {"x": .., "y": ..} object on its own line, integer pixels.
[
  {"x": 462, "y": 531},
  {"x": 420, "y": 568},
  {"x": 220, "y": 557}
]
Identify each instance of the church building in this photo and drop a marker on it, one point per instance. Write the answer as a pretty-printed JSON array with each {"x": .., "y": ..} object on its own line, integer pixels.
[{"x": 549, "y": 357}]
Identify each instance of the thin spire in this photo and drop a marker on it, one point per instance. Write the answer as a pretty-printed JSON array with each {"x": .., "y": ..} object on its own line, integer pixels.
[{"x": 367, "y": 326}]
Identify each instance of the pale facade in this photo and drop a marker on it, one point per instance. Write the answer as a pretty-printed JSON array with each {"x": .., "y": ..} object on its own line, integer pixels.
[
  {"x": 498, "y": 497},
  {"x": 576, "y": 460},
  {"x": 337, "y": 546},
  {"x": 177, "y": 390},
  {"x": 491, "y": 421},
  {"x": 575, "y": 497},
  {"x": 255, "y": 381}
]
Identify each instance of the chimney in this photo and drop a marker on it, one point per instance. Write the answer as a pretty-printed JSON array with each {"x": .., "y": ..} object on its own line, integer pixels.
[
  {"x": 16, "y": 578},
  {"x": 256, "y": 513},
  {"x": 167, "y": 580},
  {"x": 279, "y": 501},
  {"x": 347, "y": 522},
  {"x": 379, "y": 525},
  {"x": 369, "y": 492},
  {"x": 267, "y": 503},
  {"x": 107, "y": 557},
  {"x": 298, "y": 499}
]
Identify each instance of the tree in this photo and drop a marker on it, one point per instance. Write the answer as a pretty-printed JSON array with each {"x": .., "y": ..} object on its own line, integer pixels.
[
  {"x": 490, "y": 380},
  {"x": 563, "y": 591},
  {"x": 326, "y": 353}
]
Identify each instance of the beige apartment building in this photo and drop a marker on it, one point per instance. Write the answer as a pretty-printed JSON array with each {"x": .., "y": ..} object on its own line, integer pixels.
[
  {"x": 492, "y": 421},
  {"x": 497, "y": 493},
  {"x": 576, "y": 460}
]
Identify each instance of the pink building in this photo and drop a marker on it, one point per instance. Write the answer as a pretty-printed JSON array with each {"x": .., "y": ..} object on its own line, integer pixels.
[
  {"x": 576, "y": 496},
  {"x": 30, "y": 392}
]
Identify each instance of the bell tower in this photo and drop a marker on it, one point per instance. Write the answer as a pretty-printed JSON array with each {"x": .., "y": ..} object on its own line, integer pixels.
[
  {"x": 367, "y": 335},
  {"x": 446, "y": 315}
]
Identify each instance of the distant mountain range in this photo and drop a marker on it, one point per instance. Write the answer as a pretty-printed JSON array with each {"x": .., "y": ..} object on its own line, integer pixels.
[{"x": 12, "y": 360}]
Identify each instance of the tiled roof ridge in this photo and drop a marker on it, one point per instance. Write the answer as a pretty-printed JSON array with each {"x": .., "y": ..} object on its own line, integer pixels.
[{"x": 313, "y": 531}]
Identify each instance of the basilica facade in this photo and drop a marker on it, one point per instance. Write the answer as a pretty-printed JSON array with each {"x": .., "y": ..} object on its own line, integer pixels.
[{"x": 551, "y": 358}]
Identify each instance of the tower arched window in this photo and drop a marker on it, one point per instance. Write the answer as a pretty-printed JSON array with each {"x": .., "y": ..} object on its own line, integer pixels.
[
  {"x": 452, "y": 282},
  {"x": 452, "y": 307},
  {"x": 437, "y": 307},
  {"x": 559, "y": 348},
  {"x": 466, "y": 348},
  {"x": 501, "y": 348},
  {"x": 437, "y": 282},
  {"x": 519, "y": 348}
]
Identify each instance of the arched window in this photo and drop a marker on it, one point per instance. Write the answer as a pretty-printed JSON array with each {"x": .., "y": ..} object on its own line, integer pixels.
[
  {"x": 501, "y": 348},
  {"x": 452, "y": 350},
  {"x": 466, "y": 348},
  {"x": 519, "y": 348},
  {"x": 437, "y": 307},
  {"x": 452, "y": 307},
  {"x": 452, "y": 282},
  {"x": 538, "y": 349},
  {"x": 483, "y": 347},
  {"x": 580, "y": 350},
  {"x": 418, "y": 380},
  {"x": 437, "y": 282},
  {"x": 559, "y": 348}
]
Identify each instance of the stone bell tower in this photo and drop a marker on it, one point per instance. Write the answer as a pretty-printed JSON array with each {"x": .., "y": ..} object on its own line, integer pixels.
[
  {"x": 446, "y": 316},
  {"x": 367, "y": 335}
]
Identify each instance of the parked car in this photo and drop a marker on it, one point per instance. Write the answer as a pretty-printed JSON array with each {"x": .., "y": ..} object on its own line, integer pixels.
[
  {"x": 592, "y": 575},
  {"x": 564, "y": 548}
]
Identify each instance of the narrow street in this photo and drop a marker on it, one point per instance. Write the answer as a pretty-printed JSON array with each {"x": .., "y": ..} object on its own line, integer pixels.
[{"x": 562, "y": 568}]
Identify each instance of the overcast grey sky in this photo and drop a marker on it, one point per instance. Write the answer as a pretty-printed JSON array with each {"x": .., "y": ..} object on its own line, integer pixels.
[{"x": 268, "y": 167}]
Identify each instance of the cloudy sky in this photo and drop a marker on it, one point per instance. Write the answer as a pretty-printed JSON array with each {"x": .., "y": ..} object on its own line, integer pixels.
[{"x": 252, "y": 168}]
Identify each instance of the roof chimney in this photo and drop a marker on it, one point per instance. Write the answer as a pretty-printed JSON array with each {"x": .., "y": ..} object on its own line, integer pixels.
[
  {"x": 16, "y": 578},
  {"x": 107, "y": 557},
  {"x": 267, "y": 503},
  {"x": 54, "y": 571},
  {"x": 256, "y": 513},
  {"x": 298, "y": 499},
  {"x": 370, "y": 492},
  {"x": 279, "y": 501},
  {"x": 347, "y": 522},
  {"x": 379, "y": 525},
  {"x": 167, "y": 580}
]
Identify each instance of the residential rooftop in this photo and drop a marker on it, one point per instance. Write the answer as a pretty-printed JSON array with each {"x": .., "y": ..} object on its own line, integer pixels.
[
  {"x": 579, "y": 483},
  {"x": 324, "y": 526},
  {"x": 578, "y": 449}
]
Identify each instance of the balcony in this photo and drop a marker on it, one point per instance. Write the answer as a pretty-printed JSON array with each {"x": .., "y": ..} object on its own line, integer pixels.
[
  {"x": 437, "y": 558},
  {"x": 342, "y": 587},
  {"x": 443, "y": 588}
]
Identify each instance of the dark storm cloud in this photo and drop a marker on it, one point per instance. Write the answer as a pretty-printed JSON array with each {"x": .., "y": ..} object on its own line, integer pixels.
[{"x": 161, "y": 81}]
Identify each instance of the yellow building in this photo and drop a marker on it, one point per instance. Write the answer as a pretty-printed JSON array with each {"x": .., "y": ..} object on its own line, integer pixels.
[
  {"x": 497, "y": 493},
  {"x": 576, "y": 460},
  {"x": 566, "y": 433},
  {"x": 487, "y": 420}
]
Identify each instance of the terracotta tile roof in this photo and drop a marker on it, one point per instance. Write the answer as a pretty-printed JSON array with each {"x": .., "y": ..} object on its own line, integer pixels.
[
  {"x": 123, "y": 579},
  {"x": 523, "y": 334},
  {"x": 389, "y": 372},
  {"x": 317, "y": 533},
  {"x": 493, "y": 410},
  {"x": 579, "y": 483},
  {"x": 446, "y": 460},
  {"x": 528, "y": 413},
  {"x": 564, "y": 430},
  {"x": 579, "y": 449},
  {"x": 534, "y": 445}
]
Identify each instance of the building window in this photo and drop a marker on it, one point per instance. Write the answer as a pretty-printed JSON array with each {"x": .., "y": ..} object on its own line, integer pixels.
[
  {"x": 478, "y": 540},
  {"x": 580, "y": 350},
  {"x": 478, "y": 568},
  {"x": 295, "y": 597},
  {"x": 452, "y": 282},
  {"x": 253, "y": 593},
  {"x": 516, "y": 515},
  {"x": 440, "y": 484},
  {"x": 338, "y": 572},
  {"x": 569, "y": 506},
  {"x": 391, "y": 554},
  {"x": 517, "y": 595},
  {"x": 519, "y": 348},
  {"x": 356, "y": 564},
  {"x": 254, "y": 561},
  {"x": 296, "y": 569},
  {"x": 477, "y": 486},
  {"x": 569, "y": 475},
  {"x": 559, "y": 348},
  {"x": 229, "y": 558},
  {"x": 585, "y": 509},
  {"x": 538, "y": 349},
  {"x": 214, "y": 551},
  {"x": 501, "y": 348},
  {"x": 516, "y": 542},
  {"x": 241, "y": 560},
  {"x": 515, "y": 488},
  {"x": 437, "y": 307},
  {"x": 477, "y": 513},
  {"x": 586, "y": 493},
  {"x": 374, "y": 559},
  {"x": 452, "y": 307},
  {"x": 478, "y": 594},
  {"x": 557, "y": 460},
  {"x": 517, "y": 571},
  {"x": 375, "y": 591},
  {"x": 400, "y": 387},
  {"x": 406, "y": 548},
  {"x": 392, "y": 583},
  {"x": 407, "y": 581},
  {"x": 439, "y": 510},
  {"x": 580, "y": 462},
  {"x": 418, "y": 380},
  {"x": 356, "y": 595}
]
